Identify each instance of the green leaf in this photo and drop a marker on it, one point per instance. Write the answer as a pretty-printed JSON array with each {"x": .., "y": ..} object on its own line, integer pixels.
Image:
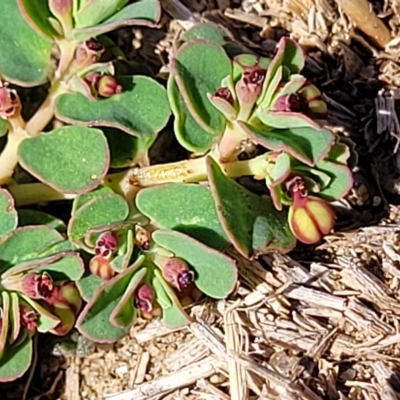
[
  {"x": 285, "y": 119},
  {"x": 62, "y": 266},
  {"x": 127, "y": 150},
  {"x": 16, "y": 360},
  {"x": 38, "y": 14},
  {"x": 198, "y": 68},
  {"x": 91, "y": 12},
  {"x": 125, "y": 314},
  {"x": 71, "y": 159},
  {"x": 94, "y": 320},
  {"x": 121, "y": 261},
  {"x": 142, "y": 109},
  {"x": 174, "y": 316},
  {"x": 99, "y": 211},
  {"x": 341, "y": 180},
  {"x": 5, "y": 320},
  {"x": 215, "y": 273},
  {"x": 15, "y": 318},
  {"x": 82, "y": 199},
  {"x": 142, "y": 12},
  {"x": 36, "y": 217},
  {"x": 26, "y": 243},
  {"x": 25, "y": 55},
  {"x": 88, "y": 285},
  {"x": 8, "y": 213},
  {"x": 252, "y": 223},
  {"x": 214, "y": 33},
  {"x": 307, "y": 144},
  {"x": 188, "y": 132},
  {"x": 184, "y": 207}
]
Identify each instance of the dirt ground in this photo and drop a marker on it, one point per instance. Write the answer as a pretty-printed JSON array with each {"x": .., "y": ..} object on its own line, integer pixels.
[{"x": 320, "y": 323}]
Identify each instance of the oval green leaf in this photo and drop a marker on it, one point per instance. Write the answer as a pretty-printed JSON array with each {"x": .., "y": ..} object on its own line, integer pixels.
[
  {"x": 199, "y": 66},
  {"x": 142, "y": 109},
  {"x": 16, "y": 360},
  {"x": 251, "y": 222},
  {"x": 36, "y": 217},
  {"x": 24, "y": 55},
  {"x": 216, "y": 273},
  {"x": 188, "y": 132},
  {"x": 94, "y": 320},
  {"x": 99, "y": 211},
  {"x": 26, "y": 243},
  {"x": 71, "y": 159},
  {"x": 142, "y": 12},
  {"x": 309, "y": 145},
  {"x": 184, "y": 207}
]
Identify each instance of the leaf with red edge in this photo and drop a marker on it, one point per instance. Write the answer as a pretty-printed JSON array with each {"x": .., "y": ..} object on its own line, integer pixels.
[
  {"x": 8, "y": 213},
  {"x": 306, "y": 144},
  {"x": 94, "y": 320},
  {"x": 25, "y": 55},
  {"x": 198, "y": 68},
  {"x": 16, "y": 360},
  {"x": 125, "y": 313},
  {"x": 79, "y": 162},
  {"x": 140, "y": 13},
  {"x": 251, "y": 222},
  {"x": 38, "y": 15}
]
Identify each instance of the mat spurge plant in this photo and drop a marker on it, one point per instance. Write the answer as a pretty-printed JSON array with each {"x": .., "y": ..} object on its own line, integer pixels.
[{"x": 146, "y": 240}]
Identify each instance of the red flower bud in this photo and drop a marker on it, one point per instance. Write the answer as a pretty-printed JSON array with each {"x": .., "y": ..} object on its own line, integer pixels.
[
  {"x": 108, "y": 86},
  {"x": 101, "y": 267},
  {"x": 10, "y": 104},
  {"x": 177, "y": 273},
  {"x": 36, "y": 285},
  {"x": 144, "y": 301},
  {"x": 28, "y": 319},
  {"x": 225, "y": 93},
  {"x": 106, "y": 245}
]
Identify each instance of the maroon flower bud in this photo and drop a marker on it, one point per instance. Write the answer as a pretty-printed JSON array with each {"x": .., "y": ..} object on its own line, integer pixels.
[
  {"x": 225, "y": 93},
  {"x": 35, "y": 285},
  {"x": 106, "y": 245},
  {"x": 101, "y": 267},
  {"x": 248, "y": 90},
  {"x": 28, "y": 319},
  {"x": 145, "y": 302},
  {"x": 108, "y": 86},
  {"x": 10, "y": 104},
  {"x": 290, "y": 102},
  {"x": 177, "y": 273}
]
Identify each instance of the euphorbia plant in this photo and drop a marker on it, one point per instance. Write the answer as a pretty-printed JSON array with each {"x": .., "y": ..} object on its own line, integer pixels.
[{"x": 147, "y": 240}]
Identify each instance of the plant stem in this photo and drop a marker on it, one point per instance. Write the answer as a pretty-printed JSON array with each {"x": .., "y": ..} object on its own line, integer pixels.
[
  {"x": 45, "y": 113},
  {"x": 188, "y": 171},
  {"x": 129, "y": 182},
  {"x": 33, "y": 193},
  {"x": 9, "y": 155}
]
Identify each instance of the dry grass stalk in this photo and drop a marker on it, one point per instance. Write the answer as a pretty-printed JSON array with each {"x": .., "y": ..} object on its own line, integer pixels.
[
  {"x": 165, "y": 384},
  {"x": 364, "y": 17}
]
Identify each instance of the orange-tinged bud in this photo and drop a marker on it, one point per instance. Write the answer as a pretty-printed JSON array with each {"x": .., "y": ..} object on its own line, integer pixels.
[
  {"x": 101, "y": 267},
  {"x": 310, "y": 218}
]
